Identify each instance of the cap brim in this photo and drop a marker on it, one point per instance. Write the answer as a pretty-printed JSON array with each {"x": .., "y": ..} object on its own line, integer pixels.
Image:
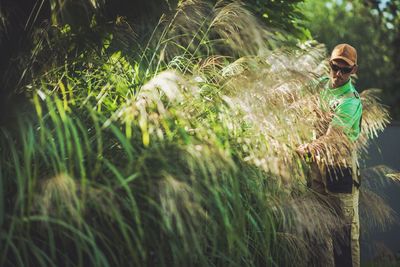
[{"x": 348, "y": 61}]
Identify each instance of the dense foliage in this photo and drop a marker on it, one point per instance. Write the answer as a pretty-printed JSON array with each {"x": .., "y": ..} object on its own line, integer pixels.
[
  {"x": 169, "y": 147},
  {"x": 25, "y": 27}
]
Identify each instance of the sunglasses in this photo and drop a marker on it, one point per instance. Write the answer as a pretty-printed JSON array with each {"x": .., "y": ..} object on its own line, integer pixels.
[{"x": 344, "y": 70}]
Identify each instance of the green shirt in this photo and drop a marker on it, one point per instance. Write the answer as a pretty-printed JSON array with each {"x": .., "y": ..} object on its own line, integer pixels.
[{"x": 345, "y": 103}]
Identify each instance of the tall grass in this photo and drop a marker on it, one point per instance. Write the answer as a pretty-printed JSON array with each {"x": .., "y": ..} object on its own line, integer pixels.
[{"x": 181, "y": 154}]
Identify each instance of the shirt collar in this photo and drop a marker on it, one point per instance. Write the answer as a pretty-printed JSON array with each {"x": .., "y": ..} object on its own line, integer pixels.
[{"x": 341, "y": 90}]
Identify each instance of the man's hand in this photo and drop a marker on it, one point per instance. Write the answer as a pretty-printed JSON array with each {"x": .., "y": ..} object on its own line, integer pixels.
[
  {"x": 303, "y": 149},
  {"x": 310, "y": 151}
]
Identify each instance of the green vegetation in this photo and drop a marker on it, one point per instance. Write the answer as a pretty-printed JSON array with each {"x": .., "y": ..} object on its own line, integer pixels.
[{"x": 171, "y": 148}]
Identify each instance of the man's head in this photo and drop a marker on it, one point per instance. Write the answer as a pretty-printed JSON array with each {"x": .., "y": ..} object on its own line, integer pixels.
[{"x": 343, "y": 63}]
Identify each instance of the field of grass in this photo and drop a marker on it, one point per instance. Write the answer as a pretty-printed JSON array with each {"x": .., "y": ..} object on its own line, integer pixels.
[{"x": 175, "y": 151}]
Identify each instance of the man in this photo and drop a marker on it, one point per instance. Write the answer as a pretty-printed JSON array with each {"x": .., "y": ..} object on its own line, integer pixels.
[{"x": 337, "y": 176}]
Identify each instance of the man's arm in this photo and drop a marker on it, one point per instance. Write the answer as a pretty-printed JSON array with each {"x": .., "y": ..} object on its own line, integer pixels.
[
  {"x": 337, "y": 139},
  {"x": 316, "y": 146}
]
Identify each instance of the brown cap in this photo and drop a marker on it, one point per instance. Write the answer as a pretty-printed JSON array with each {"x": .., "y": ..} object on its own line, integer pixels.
[{"x": 345, "y": 52}]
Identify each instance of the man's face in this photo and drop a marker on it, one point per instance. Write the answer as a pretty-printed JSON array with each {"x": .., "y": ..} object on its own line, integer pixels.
[{"x": 340, "y": 72}]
